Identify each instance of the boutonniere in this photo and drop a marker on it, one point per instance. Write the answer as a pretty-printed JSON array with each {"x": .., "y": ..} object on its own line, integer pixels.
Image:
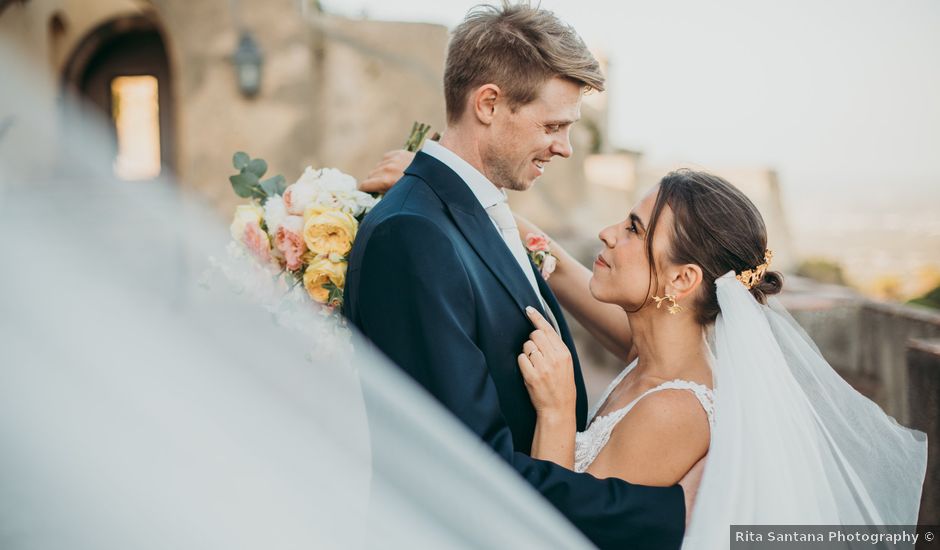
[{"x": 537, "y": 246}]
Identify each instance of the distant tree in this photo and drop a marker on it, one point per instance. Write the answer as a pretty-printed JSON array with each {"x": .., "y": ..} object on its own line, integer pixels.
[
  {"x": 931, "y": 299},
  {"x": 822, "y": 270}
]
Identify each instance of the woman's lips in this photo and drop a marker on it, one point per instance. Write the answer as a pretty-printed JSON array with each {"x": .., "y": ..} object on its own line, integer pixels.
[{"x": 599, "y": 261}]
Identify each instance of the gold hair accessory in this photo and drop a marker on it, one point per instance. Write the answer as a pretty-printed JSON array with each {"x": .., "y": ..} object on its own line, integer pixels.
[
  {"x": 673, "y": 308},
  {"x": 749, "y": 278}
]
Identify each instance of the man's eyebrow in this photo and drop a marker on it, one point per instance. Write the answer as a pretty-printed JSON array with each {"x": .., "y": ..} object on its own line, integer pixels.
[{"x": 562, "y": 122}]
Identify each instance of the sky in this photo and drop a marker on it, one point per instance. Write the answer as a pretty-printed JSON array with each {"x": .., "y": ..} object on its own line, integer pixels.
[{"x": 835, "y": 93}]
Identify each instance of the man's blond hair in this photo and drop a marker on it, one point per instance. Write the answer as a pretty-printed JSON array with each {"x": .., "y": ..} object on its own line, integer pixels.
[{"x": 518, "y": 48}]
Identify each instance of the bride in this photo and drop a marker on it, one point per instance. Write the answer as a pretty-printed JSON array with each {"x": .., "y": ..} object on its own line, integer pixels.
[{"x": 680, "y": 292}]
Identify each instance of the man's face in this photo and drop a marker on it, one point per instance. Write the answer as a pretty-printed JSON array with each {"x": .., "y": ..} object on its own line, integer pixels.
[{"x": 526, "y": 140}]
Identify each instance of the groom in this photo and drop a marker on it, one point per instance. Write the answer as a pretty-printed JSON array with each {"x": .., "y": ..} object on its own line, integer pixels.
[{"x": 438, "y": 278}]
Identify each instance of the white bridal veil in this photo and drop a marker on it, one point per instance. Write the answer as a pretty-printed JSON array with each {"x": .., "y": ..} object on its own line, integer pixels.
[
  {"x": 138, "y": 410},
  {"x": 793, "y": 443}
]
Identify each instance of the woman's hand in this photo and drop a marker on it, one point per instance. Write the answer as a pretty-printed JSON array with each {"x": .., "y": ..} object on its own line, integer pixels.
[
  {"x": 387, "y": 172},
  {"x": 548, "y": 369}
]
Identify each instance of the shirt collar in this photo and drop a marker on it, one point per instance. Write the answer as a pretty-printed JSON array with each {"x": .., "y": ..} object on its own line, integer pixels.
[{"x": 483, "y": 189}]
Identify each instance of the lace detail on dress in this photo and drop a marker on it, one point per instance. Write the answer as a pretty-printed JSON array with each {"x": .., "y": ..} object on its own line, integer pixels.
[{"x": 590, "y": 442}]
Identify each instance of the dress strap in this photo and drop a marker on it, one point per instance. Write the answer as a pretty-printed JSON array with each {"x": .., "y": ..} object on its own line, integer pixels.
[{"x": 705, "y": 395}]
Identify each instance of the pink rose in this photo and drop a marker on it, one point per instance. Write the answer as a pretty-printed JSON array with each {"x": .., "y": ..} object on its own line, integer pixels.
[
  {"x": 290, "y": 241},
  {"x": 257, "y": 242},
  {"x": 536, "y": 242}
]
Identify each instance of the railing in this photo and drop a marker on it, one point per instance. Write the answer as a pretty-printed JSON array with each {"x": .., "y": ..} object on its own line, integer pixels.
[{"x": 923, "y": 383}]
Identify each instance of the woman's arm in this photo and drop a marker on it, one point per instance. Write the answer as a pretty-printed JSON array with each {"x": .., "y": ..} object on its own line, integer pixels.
[{"x": 606, "y": 322}]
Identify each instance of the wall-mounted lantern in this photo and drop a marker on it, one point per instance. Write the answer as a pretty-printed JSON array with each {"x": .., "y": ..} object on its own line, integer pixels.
[{"x": 248, "y": 61}]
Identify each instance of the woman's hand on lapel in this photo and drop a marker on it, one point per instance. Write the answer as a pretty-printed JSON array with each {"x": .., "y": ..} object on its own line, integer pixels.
[{"x": 548, "y": 369}]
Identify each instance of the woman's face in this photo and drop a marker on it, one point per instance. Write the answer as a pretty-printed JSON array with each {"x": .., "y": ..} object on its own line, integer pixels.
[{"x": 622, "y": 270}]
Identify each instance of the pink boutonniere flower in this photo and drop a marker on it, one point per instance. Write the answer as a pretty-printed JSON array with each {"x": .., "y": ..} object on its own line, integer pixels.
[{"x": 539, "y": 250}]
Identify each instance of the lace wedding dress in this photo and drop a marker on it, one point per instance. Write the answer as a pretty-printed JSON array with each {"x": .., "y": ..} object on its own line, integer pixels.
[{"x": 591, "y": 441}]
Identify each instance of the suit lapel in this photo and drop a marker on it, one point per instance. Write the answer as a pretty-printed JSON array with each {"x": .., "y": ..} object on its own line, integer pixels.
[
  {"x": 476, "y": 227},
  {"x": 565, "y": 333}
]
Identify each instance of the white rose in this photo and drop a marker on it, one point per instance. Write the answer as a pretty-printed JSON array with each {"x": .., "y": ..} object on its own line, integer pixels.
[
  {"x": 309, "y": 176},
  {"x": 275, "y": 211},
  {"x": 299, "y": 196},
  {"x": 332, "y": 179},
  {"x": 354, "y": 203}
]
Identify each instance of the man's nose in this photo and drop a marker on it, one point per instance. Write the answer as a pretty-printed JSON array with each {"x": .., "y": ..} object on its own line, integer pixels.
[{"x": 562, "y": 146}]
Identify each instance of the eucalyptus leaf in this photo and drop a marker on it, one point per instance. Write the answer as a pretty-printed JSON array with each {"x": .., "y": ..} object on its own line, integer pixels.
[
  {"x": 257, "y": 167},
  {"x": 274, "y": 185},
  {"x": 244, "y": 184},
  {"x": 257, "y": 192},
  {"x": 281, "y": 186},
  {"x": 240, "y": 160}
]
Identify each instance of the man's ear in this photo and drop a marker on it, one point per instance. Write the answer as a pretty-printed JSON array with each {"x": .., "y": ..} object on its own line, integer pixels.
[
  {"x": 483, "y": 101},
  {"x": 685, "y": 279}
]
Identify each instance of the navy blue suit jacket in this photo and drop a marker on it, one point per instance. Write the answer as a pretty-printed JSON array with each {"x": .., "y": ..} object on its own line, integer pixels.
[{"x": 432, "y": 284}]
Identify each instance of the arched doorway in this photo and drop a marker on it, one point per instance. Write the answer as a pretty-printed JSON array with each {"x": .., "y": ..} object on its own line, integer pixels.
[{"x": 121, "y": 71}]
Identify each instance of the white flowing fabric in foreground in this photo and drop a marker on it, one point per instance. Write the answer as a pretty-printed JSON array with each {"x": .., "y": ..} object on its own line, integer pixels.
[{"x": 138, "y": 410}]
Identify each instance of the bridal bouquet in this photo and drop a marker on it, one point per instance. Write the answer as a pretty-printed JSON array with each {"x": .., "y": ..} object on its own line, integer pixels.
[
  {"x": 296, "y": 236},
  {"x": 301, "y": 232}
]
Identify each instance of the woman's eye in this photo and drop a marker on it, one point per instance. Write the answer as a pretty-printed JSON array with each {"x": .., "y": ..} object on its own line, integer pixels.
[
  {"x": 632, "y": 227},
  {"x": 552, "y": 128}
]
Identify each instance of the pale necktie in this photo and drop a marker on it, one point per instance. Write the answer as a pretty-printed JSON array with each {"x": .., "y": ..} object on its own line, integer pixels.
[{"x": 502, "y": 217}]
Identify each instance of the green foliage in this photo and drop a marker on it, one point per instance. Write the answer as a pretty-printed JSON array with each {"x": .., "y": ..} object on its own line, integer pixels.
[
  {"x": 240, "y": 160},
  {"x": 419, "y": 132},
  {"x": 931, "y": 299},
  {"x": 247, "y": 182},
  {"x": 275, "y": 185},
  {"x": 336, "y": 294},
  {"x": 257, "y": 167},
  {"x": 822, "y": 270}
]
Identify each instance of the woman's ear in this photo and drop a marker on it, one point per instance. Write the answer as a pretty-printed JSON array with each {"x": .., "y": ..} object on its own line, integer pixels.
[
  {"x": 483, "y": 102},
  {"x": 685, "y": 279}
]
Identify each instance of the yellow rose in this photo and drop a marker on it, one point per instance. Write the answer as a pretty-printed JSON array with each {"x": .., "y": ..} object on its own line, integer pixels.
[
  {"x": 245, "y": 214},
  {"x": 320, "y": 272},
  {"x": 328, "y": 231}
]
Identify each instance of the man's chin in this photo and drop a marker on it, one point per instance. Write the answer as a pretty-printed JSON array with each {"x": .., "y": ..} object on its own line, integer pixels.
[{"x": 522, "y": 185}]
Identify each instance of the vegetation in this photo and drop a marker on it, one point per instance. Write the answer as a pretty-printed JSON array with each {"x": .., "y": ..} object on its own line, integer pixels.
[
  {"x": 822, "y": 270},
  {"x": 931, "y": 299}
]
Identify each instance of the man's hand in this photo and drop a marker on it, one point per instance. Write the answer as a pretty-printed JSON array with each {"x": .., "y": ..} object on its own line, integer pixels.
[
  {"x": 690, "y": 484},
  {"x": 388, "y": 171}
]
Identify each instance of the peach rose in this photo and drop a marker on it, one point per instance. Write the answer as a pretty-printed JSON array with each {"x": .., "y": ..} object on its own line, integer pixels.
[
  {"x": 319, "y": 273},
  {"x": 290, "y": 241},
  {"x": 328, "y": 232},
  {"x": 298, "y": 196},
  {"x": 246, "y": 229},
  {"x": 258, "y": 242}
]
